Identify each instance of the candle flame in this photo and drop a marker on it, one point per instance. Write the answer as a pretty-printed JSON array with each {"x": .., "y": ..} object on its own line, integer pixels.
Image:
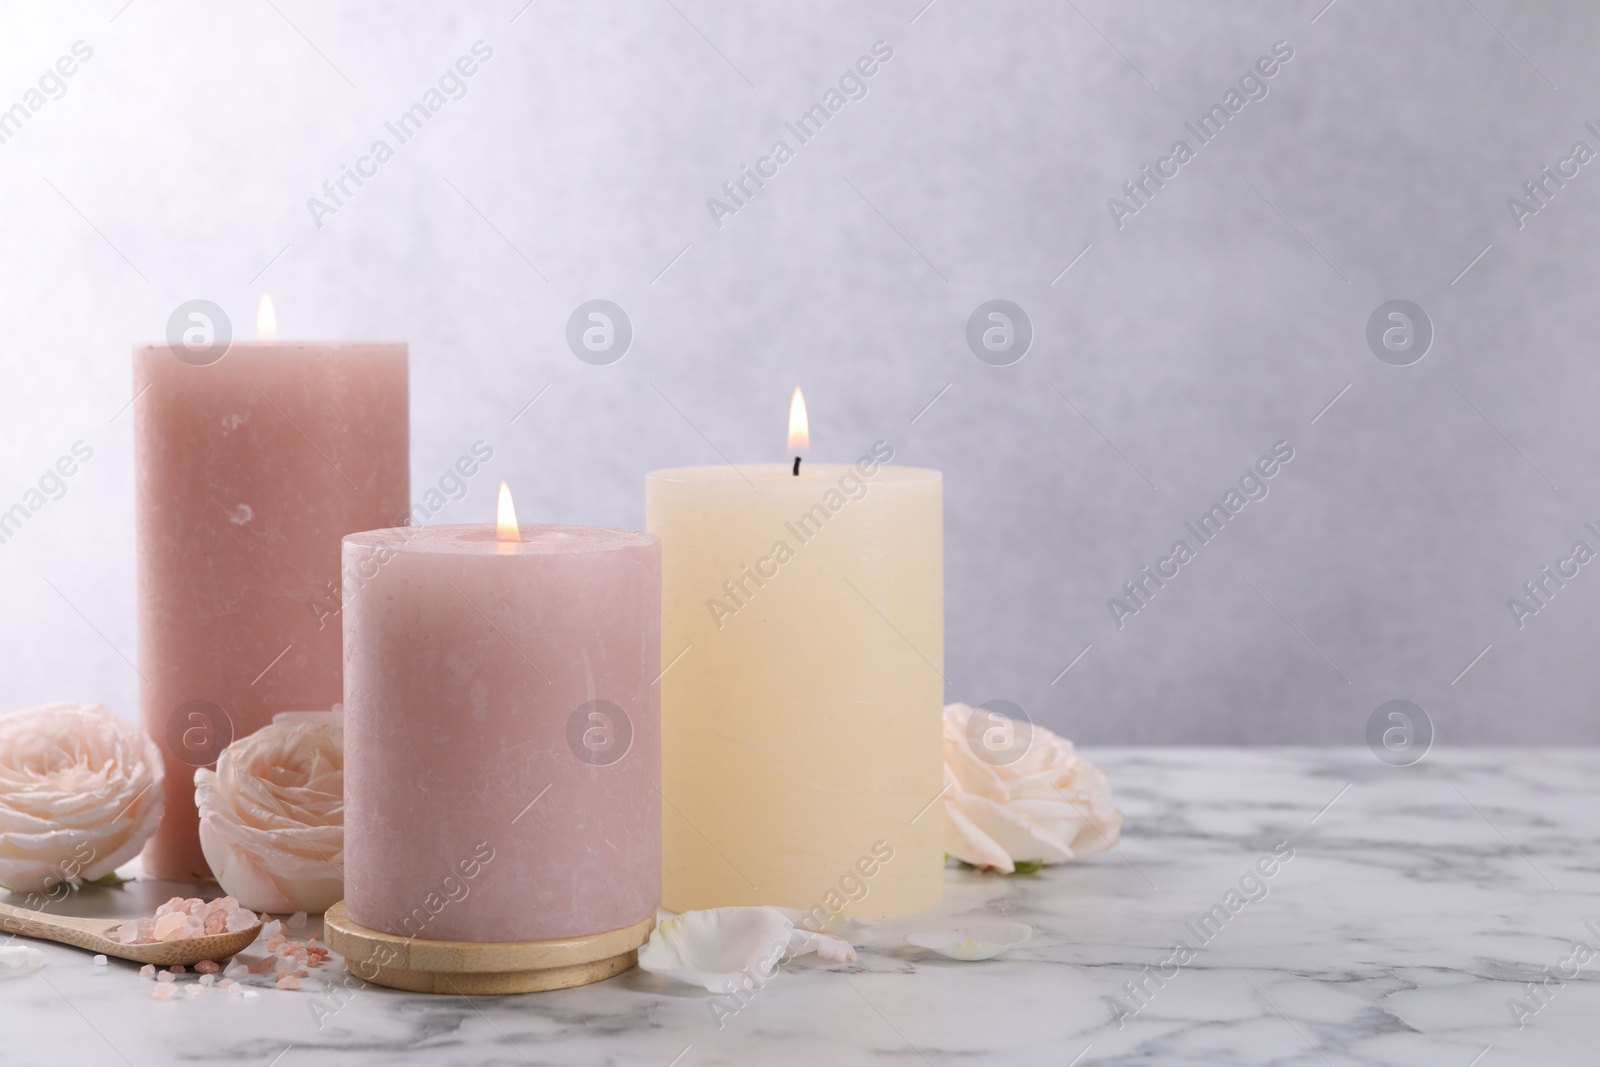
[
  {"x": 799, "y": 426},
  {"x": 266, "y": 319},
  {"x": 505, "y": 526}
]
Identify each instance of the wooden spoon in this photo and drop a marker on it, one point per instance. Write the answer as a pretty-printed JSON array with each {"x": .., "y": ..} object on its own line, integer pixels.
[{"x": 93, "y": 934}]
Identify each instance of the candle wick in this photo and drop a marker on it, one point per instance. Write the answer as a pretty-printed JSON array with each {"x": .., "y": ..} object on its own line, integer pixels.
[{"x": 797, "y": 466}]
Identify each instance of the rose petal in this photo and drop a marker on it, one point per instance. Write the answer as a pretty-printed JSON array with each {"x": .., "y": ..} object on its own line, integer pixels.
[
  {"x": 725, "y": 950},
  {"x": 967, "y": 843},
  {"x": 833, "y": 949}
]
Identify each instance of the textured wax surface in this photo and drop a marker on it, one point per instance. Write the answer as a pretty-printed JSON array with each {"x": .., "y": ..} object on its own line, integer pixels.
[
  {"x": 801, "y": 719},
  {"x": 471, "y": 811},
  {"x": 249, "y": 470}
]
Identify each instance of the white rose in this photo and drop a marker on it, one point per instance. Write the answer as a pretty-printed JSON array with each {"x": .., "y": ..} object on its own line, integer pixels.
[
  {"x": 272, "y": 815},
  {"x": 1046, "y": 805},
  {"x": 80, "y": 792}
]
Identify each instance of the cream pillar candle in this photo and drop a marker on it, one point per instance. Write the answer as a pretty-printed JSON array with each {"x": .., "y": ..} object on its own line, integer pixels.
[
  {"x": 502, "y": 731},
  {"x": 802, "y": 628},
  {"x": 248, "y": 471}
]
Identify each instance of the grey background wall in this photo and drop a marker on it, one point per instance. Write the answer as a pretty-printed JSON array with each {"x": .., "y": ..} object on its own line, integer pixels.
[{"x": 1169, "y": 352}]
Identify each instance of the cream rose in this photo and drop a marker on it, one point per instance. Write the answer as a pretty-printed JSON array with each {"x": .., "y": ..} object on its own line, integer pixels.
[
  {"x": 272, "y": 814},
  {"x": 80, "y": 792},
  {"x": 1020, "y": 794}
]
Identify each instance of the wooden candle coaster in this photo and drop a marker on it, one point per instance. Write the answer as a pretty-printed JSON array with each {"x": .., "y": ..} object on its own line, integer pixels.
[{"x": 482, "y": 967}]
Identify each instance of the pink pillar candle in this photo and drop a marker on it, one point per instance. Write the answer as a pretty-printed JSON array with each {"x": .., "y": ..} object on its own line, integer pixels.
[
  {"x": 248, "y": 472},
  {"x": 502, "y": 731}
]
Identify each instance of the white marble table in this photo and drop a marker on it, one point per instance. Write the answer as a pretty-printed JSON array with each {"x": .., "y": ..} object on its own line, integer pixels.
[{"x": 1418, "y": 902}]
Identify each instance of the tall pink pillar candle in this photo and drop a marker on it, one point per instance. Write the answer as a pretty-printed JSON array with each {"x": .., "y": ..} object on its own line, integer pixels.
[
  {"x": 248, "y": 472},
  {"x": 502, "y": 731}
]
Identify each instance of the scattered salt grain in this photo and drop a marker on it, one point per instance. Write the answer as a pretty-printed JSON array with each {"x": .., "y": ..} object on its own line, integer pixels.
[
  {"x": 166, "y": 976},
  {"x": 235, "y": 990},
  {"x": 163, "y": 992},
  {"x": 147, "y": 971},
  {"x": 194, "y": 990},
  {"x": 207, "y": 967},
  {"x": 288, "y": 981},
  {"x": 19, "y": 959},
  {"x": 236, "y": 969},
  {"x": 178, "y": 968},
  {"x": 207, "y": 979},
  {"x": 100, "y": 961},
  {"x": 297, "y": 921}
]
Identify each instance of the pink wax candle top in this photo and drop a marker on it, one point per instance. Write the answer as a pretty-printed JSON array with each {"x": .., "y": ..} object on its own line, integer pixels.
[{"x": 503, "y": 742}]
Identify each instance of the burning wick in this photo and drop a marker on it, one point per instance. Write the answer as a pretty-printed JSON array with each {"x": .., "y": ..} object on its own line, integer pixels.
[
  {"x": 799, "y": 427},
  {"x": 506, "y": 528},
  {"x": 266, "y": 319}
]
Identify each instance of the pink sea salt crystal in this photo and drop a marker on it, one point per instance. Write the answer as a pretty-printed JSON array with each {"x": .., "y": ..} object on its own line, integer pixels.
[
  {"x": 166, "y": 976},
  {"x": 178, "y": 968},
  {"x": 169, "y": 927},
  {"x": 297, "y": 921},
  {"x": 236, "y": 990},
  {"x": 288, "y": 981},
  {"x": 194, "y": 990},
  {"x": 147, "y": 971},
  {"x": 225, "y": 983},
  {"x": 179, "y": 919},
  {"x": 272, "y": 929},
  {"x": 207, "y": 967},
  {"x": 236, "y": 969},
  {"x": 207, "y": 979},
  {"x": 163, "y": 992}
]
